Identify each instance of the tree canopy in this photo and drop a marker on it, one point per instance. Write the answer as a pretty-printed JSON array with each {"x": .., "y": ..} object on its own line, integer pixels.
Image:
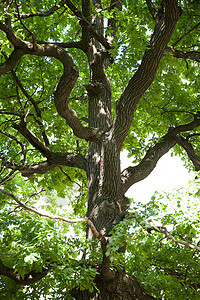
[{"x": 80, "y": 82}]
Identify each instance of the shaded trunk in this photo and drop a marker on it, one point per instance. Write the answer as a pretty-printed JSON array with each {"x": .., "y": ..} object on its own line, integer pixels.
[{"x": 121, "y": 287}]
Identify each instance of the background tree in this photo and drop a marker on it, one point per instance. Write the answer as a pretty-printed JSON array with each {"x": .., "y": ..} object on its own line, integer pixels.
[{"x": 128, "y": 80}]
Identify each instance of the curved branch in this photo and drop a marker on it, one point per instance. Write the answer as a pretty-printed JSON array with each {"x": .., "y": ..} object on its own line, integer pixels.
[
  {"x": 131, "y": 175},
  {"x": 65, "y": 85},
  {"x": 168, "y": 16}
]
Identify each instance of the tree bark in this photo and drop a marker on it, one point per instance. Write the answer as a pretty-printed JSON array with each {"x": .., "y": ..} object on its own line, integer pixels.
[{"x": 121, "y": 287}]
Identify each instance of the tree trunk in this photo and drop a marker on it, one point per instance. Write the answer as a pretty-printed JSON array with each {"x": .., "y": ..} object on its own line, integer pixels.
[{"x": 121, "y": 287}]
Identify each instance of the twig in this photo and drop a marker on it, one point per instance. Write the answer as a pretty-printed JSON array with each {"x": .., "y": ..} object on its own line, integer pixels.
[{"x": 68, "y": 176}]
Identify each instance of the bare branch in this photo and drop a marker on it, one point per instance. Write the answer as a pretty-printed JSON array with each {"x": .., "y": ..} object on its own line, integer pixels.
[
  {"x": 53, "y": 217},
  {"x": 164, "y": 231},
  {"x": 23, "y": 146}
]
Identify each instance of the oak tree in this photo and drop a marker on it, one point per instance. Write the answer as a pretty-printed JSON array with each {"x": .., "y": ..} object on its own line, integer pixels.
[{"x": 80, "y": 82}]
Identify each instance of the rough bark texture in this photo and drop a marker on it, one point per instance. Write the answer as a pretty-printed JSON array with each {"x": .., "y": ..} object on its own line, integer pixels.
[{"x": 121, "y": 287}]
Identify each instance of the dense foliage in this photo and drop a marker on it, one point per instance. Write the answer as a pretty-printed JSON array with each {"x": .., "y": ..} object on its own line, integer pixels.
[{"x": 45, "y": 258}]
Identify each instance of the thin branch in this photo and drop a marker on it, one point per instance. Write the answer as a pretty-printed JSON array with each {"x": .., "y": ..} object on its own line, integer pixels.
[
  {"x": 53, "y": 217},
  {"x": 164, "y": 231},
  {"x": 68, "y": 176},
  {"x": 29, "y": 31},
  {"x": 192, "y": 135},
  {"x": 29, "y": 197},
  {"x": 44, "y": 14},
  {"x": 35, "y": 105},
  {"x": 23, "y": 146},
  {"x": 9, "y": 177},
  {"x": 34, "y": 140},
  {"x": 6, "y": 112},
  {"x": 185, "y": 34},
  {"x": 8, "y": 97},
  {"x": 85, "y": 24}
]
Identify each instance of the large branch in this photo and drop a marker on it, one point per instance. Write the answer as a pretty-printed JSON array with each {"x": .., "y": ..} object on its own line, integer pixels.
[
  {"x": 131, "y": 175},
  {"x": 55, "y": 159},
  {"x": 167, "y": 18}
]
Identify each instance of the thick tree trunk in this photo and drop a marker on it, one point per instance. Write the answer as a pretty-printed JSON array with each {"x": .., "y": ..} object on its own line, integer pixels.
[{"x": 121, "y": 287}]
